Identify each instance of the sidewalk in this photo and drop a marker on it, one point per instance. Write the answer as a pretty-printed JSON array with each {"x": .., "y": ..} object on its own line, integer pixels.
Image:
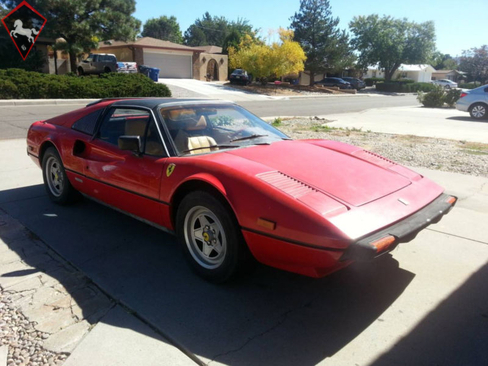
[{"x": 49, "y": 310}]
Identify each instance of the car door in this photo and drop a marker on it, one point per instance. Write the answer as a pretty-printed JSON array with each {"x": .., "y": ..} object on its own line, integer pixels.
[{"x": 125, "y": 179}]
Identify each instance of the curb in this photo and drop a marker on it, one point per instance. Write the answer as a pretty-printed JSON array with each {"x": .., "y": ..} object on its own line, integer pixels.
[{"x": 26, "y": 102}]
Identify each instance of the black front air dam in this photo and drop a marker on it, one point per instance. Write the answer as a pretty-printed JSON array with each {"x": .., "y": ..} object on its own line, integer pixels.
[{"x": 403, "y": 231}]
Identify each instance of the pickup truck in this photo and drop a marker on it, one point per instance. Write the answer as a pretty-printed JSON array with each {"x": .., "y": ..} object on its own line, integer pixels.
[{"x": 98, "y": 63}]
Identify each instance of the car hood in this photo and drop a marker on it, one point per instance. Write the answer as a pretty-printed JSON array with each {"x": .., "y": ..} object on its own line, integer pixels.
[{"x": 351, "y": 177}]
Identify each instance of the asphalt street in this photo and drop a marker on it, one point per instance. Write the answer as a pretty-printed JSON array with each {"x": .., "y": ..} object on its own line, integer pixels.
[{"x": 15, "y": 120}]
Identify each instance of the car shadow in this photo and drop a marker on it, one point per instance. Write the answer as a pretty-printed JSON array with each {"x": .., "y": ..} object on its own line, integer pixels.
[
  {"x": 266, "y": 317},
  {"x": 451, "y": 334},
  {"x": 467, "y": 119}
]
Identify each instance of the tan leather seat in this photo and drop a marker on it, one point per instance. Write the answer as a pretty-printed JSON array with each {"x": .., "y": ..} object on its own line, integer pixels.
[
  {"x": 137, "y": 127},
  {"x": 185, "y": 140},
  {"x": 201, "y": 141}
]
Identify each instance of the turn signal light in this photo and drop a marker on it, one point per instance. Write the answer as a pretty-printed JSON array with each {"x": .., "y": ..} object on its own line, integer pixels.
[
  {"x": 451, "y": 200},
  {"x": 383, "y": 243}
]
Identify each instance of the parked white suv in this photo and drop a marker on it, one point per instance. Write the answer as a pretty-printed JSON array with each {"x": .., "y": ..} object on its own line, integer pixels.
[{"x": 446, "y": 83}]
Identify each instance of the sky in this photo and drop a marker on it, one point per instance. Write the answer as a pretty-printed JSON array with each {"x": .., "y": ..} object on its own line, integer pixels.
[{"x": 459, "y": 25}]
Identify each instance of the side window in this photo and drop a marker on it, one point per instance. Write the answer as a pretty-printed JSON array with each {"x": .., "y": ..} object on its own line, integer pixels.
[
  {"x": 132, "y": 122},
  {"x": 153, "y": 145},
  {"x": 95, "y": 58},
  {"x": 88, "y": 123},
  {"x": 123, "y": 121}
]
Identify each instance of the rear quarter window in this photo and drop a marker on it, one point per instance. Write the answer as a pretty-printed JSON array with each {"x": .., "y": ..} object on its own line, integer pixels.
[{"x": 88, "y": 123}]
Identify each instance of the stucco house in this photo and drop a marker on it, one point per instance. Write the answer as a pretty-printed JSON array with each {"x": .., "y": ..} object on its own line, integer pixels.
[
  {"x": 418, "y": 73},
  {"x": 174, "y": 60}
]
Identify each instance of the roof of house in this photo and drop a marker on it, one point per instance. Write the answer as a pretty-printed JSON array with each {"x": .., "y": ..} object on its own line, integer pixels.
[
  {"x": 420, "y": 67},
  {"x": 407, "y": 67},
  {"x": 449, "y": 71},
  {"x": 150, "y": 43},
  {"x": 210, "y": 49}
]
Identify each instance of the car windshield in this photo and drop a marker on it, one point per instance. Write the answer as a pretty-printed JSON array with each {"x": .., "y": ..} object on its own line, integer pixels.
[
  {"x": 238, "y": 72},
  {"x": 200, "y": 129}
]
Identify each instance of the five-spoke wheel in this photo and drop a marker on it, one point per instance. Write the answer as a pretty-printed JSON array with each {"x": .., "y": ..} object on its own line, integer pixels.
[
  {"x": 57, "y": 185},
  {"x": 210, "y": 236}
]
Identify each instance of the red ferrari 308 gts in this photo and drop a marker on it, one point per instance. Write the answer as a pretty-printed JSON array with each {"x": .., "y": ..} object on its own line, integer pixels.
[{"x": 230, "y": 185}]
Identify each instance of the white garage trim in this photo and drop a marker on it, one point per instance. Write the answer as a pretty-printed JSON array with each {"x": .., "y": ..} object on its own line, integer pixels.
[{"x": 171, "y": 65}]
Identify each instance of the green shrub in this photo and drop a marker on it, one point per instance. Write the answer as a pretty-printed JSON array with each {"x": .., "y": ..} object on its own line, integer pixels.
[
  {"x": 8, "y": 90},
  {"x": 424, "y": 87},
  {"x": 404, "y": 87},
  {"x": 17, "y": 83},
  {"x": 433, "y": 99},
  {"x": 469, "y": 85},
  {"x": 405, "y": 81},
  {"x": 452, "y": 96},
  {"x": 373, "y": 81}
]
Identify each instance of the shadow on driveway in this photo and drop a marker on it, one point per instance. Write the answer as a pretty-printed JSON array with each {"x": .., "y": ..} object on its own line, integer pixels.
[
  {"x": 267, "y": 317},
  {"x": 467, "y": 119}
]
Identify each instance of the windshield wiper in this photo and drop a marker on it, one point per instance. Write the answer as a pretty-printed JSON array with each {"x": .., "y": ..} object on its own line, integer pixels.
[
  {"x": 247, "y": 138},
  {"x": 210, "y": 147}
]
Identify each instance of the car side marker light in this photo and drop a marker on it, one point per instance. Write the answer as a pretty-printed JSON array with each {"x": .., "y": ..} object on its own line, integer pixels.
[
  {"x": 451, "y": 200},
  {"x": 266, "y": 224},
  {"x": 383, "y": 243}
]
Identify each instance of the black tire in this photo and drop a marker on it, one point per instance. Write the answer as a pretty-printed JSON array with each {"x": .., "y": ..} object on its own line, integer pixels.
[
  {"x": 202, "y": 219},
  {"x": 478, "y": 111},
  {"x": 58, "y": 187},
  {"x": 80, "y": 71},
  {"x": 107, "y": 70}
]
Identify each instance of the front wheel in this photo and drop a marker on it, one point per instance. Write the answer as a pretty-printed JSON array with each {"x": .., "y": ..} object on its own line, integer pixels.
[
  {"x": 210, "y": 237},
  {"x": 478, "y": 111},
  {"x": 58, "y": 187}
]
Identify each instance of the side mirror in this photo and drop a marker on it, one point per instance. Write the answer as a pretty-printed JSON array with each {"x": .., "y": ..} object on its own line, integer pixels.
[{"x": 130, "y": 143}]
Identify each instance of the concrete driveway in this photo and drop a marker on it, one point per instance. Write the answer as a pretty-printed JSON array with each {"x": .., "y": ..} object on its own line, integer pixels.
[
  {"x": 419, "y": 121},
  {"x": 217, "y": 90},
  {"x": 427, "y": 304}
]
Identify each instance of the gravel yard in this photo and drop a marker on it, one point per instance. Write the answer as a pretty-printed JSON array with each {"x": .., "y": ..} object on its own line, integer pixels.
[{"x": 441, "y": 154}]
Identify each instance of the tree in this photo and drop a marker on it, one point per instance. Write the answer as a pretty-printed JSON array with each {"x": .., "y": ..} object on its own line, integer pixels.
[
  {"x": 389, "y": 42},
  {"x": 214, "y": 30},
  {"x": 326, "y": 46},
  {"x": 83, "y": 23},
  {"x": 262, "y": 60},
  {"x": 232, "y": 40},
  {"x": 9, "y": 56},
  {"x": 441, "y": 61},
  {"x": 475, "y": 62},
  {"x": 164, "y": 28}
]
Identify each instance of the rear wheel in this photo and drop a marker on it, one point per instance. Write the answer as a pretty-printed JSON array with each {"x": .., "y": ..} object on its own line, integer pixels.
[
  {"x": 58, "y": 187},
  {"x": 478, "y": 111},
  {"x": 210, "y": 237},
  {"x": 80, "y": 71}
]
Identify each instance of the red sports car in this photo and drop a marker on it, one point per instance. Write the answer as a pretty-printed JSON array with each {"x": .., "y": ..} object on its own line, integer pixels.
[{"x": 230, "y": 185}]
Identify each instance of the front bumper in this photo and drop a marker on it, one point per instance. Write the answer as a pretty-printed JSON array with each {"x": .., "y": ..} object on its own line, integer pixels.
[{"x": 403, "y": 231}]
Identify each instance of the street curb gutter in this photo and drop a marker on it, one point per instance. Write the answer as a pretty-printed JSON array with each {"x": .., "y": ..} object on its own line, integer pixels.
[{"x": 26, "y": 102}]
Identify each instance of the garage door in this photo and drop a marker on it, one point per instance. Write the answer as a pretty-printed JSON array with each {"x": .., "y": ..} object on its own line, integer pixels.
[{"x": 170, "y": 66}]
